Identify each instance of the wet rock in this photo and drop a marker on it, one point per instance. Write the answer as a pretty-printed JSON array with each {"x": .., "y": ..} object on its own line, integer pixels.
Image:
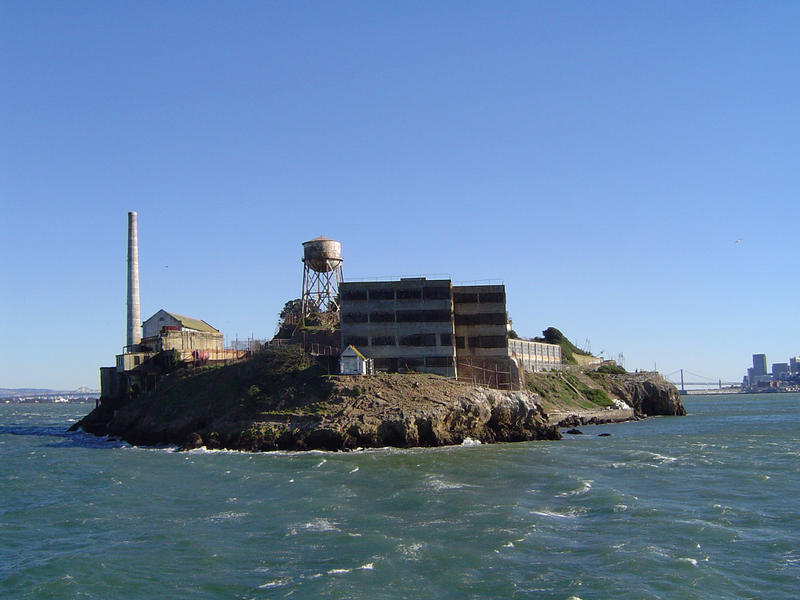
[
  {"x": 574, "y": 431},
  {"x": 194, "y": 440}
]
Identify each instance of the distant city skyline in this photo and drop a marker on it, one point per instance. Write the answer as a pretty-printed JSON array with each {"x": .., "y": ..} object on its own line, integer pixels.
[
  {"x": 760, "y": 373},
  {"x": 610, "y": 163}
]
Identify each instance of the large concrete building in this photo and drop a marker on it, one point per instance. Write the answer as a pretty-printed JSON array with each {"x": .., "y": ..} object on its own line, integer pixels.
[
  {"x": 404, "y": 325},
  {"x": 432, "y": 326}
]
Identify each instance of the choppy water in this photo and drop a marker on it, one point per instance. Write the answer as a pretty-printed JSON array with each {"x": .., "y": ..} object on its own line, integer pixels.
[{"x": 704, "y": 506}]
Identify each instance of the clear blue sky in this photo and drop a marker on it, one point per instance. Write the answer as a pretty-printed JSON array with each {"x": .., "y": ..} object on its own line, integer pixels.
[{"x": 602, "y": 158}]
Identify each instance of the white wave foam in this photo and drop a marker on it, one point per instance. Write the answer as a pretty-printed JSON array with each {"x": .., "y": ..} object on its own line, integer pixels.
[
  {"x": 691, "y": 561},
  {"x": 411, "y": 551},
  {"x": 322, "y": 462},
  {"x": 367, "y": 567},
  {"x": 321, "y": 525},
  {"x": 354, "y": 470},
  {"x": 569, "y": 514},
  {"x": 339, "y": 571},
  {"x": 439, "y": 485},
  {"x": 275, "y": 583},
  {"x": 226, "y": 516},
  {"x": 583, "y": 489},
  {"x": 468, "y": 441},
  {"x": 663, "y": 458}
]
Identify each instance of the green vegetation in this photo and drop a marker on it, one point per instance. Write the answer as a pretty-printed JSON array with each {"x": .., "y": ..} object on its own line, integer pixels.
[
  {"x": 290, "y": 320},
  {"x": 281, "y": 379},
  {"x": 597, "y": 396},
  {"x": 564, "y": 390},
  {"x": 611, "y": 370},
  {"x": 551, "y": 335}
]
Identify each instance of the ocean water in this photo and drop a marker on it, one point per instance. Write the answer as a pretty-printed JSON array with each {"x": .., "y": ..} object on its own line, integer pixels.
[{"x": 702, "y": 506}]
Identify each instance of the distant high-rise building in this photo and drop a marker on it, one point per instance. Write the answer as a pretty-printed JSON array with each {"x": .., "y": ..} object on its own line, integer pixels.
[
  {"x": 780, "y": 369},
  {"x": 759, "y": 364},
  {"x": 794, "y": 364}
]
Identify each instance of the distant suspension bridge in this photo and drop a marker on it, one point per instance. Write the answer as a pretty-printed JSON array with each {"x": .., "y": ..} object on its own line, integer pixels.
[{"x": 706, "y": 383}]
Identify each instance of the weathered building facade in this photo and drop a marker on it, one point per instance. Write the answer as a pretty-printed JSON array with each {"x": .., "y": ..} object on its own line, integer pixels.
[
  {"x": 170, "y": 331},
  {"x": 535, "y": 356},
  {"x": 481, "y": 326},
  {"x": 404, "y": 325},
  {"x": 432, "y": 326}
]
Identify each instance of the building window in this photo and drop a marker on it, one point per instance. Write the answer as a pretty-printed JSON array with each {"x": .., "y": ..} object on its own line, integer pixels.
[
  {"x": 409, "y": 363},
  {"x": 381, "y": 317},
  {"x": 356, "y": 340},
  {"x": 459, "y": 341},
  {"x": 487, "y": 341},
  {"x": 420, "y": 339},
  {"x": 386, "y": 364},
  {"x": 383, "y": 340},
  {"x": 354, "y": 317},
  {"x": 436, "y": 316},
  {"x": 492, "y": 297},
  {"x": 354, "y": 294},
  {"x": 436, "y": 293},
  {"x": 381, "y": 294},
  {"x": 409, "y": 294},
  {"x": 409, "y": 316},
  {"x": 498, "y": 318},
  {"x": 445, "y": 339},
  {"x": 465, "y": 298},
  {"x": 438, "y": 361}
]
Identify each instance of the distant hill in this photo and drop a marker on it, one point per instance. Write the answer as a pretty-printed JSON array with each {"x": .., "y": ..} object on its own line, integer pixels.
[{"x": 15, "y": 392}]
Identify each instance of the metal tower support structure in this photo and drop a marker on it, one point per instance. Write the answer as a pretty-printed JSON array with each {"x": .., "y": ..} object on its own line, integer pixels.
[{"x": 321, "y": 289}]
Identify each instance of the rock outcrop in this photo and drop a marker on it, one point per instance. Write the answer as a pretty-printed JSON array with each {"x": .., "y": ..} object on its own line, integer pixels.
[
  {"x": 301, "y": 409},
  {"x": 648, "y": 394},
  {"x": 284, "y": 400}
]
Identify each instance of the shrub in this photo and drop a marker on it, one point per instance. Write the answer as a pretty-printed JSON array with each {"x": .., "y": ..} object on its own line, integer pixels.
[
  {"x": 597, "y": 396},
  {"x": 611, "y": 369}
]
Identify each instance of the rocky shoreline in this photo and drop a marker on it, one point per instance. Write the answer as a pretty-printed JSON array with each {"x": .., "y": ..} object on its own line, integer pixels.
[{"x": 284, "y": 401}]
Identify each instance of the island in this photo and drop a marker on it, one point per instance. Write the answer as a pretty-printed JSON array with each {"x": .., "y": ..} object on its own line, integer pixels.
[{"x": 283, "y": 398}]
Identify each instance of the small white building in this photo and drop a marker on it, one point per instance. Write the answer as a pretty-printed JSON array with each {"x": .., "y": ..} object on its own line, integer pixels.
[{"x": 352, "y": 362}]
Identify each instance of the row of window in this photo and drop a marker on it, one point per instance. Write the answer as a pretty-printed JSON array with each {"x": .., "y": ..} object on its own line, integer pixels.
[
  {"x": 415, "y": 340},
  {"x": 427, "y": 339},
  {"x": 412, "y": 293},
  {"x": 534, "y": 349},
  {"x": 399, "y": 316},
  {"x": 483, "y": 341},
  {"x": 412, "y": 363},
  {"x": 476, "y": 297},
  {"x": 497, "y": 318}
]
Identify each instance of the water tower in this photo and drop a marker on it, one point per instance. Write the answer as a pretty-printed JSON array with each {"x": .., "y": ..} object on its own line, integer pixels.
[{"x": 322, "y": 273}]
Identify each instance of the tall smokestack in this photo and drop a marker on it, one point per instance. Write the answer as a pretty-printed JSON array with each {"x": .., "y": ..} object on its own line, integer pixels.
[{"x": 134, "y": 316}]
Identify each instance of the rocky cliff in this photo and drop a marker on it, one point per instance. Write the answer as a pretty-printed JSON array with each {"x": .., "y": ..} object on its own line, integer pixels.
[
  {"x": 283, "y": 400},
  {"x": 648, "y": 394}
]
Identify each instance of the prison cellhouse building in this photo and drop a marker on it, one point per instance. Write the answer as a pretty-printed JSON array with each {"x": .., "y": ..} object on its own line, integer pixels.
[{"x": 433, "y": 326}]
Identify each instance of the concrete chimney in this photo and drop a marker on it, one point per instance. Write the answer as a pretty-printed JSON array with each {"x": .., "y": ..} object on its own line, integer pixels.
[{"x": 134, "y": 316}]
